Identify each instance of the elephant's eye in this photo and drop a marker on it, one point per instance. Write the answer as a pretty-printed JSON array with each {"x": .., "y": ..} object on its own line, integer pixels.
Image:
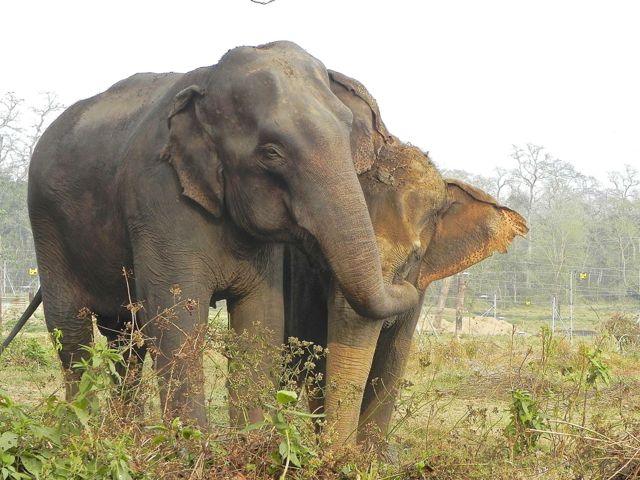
[{"x": 272, "y": 152}]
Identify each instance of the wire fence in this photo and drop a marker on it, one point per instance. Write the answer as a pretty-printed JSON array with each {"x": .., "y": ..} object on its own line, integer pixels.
[
  {"x": 19, "y": 274},
  {"x": 564, "y": 297},
  {"x": 576, "y": 302}
]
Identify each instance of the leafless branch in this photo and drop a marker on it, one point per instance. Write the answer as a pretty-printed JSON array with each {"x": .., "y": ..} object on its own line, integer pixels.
[
  {"x": 20, "y": 130},
  {"x": 625, "y": 182},
  {"x": 9, "y": 110},
  {"x": 42, "y": 113}
]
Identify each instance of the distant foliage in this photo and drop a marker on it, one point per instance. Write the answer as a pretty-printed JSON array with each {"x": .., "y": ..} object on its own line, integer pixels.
[{"x": 581, "y": 230}]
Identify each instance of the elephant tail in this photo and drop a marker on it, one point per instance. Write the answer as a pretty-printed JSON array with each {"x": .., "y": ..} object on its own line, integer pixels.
[{"x": 35, "y": 303}]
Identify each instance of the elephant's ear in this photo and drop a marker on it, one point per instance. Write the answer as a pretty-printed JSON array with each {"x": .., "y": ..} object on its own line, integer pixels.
[
  {"x": 369, "y": 133},
  {"x": 470, "y": 229},
  {"x": 192, "y": 153}
]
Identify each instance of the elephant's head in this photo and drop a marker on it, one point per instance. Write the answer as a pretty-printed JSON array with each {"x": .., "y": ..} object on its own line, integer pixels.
[
  {"x": 261, "y": 140},
  {"x": 428, "y": 227}
]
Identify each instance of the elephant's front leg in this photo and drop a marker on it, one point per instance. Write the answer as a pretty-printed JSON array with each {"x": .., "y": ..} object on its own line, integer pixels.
[
  {"x": 351, "y": 342},
  {"x": 257, "y": 319},
  {"x": 130, "y": 370},
  {"x": 388, "y": 367},
  {"x": 176, "y": 319}
]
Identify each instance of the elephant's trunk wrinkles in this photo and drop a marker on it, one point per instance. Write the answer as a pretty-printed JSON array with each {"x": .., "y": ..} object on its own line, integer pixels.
[{"x": 344, "y": 232}]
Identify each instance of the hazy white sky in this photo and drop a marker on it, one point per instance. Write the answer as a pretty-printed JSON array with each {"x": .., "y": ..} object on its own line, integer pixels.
[{"x": 463, "y": 79}]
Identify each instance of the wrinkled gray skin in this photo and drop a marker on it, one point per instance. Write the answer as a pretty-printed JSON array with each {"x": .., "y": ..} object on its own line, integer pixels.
[
  {"x": 426, "y": 228},
  {"x": 184, "y": 180}
]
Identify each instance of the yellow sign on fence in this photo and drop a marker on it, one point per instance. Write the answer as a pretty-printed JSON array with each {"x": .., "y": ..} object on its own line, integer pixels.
[{"x": 33, "y": 272}]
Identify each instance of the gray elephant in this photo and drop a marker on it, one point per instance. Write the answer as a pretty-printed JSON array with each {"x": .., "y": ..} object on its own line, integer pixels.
[
  {"x": 426, "y": 228},
  {"x": 186, "y": 180}
]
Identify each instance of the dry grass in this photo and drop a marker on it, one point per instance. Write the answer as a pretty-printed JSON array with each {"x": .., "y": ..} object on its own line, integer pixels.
[{"x": 449, "y": 423}]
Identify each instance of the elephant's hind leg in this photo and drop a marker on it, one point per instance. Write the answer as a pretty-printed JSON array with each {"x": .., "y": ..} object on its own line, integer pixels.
[
  {"x": 65, "y": 302},
  {"x": 72, "y": 325}
]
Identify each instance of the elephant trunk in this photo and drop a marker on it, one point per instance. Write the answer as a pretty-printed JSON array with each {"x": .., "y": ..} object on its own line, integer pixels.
[{"x": 342, "y": 226}]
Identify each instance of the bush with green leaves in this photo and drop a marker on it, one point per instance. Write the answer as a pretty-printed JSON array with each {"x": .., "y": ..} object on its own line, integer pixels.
[
  {"x": 525, "y": 421},
  {"x": 292, "y": 449},
  {"x": 58, "y": 440}
]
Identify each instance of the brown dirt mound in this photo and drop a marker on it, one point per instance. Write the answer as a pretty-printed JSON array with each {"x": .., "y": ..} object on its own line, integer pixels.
[{"x": 478, "y": 326}]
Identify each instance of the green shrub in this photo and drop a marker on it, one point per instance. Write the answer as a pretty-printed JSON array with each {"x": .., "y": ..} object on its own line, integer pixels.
[{"x": 525, "y": 421}]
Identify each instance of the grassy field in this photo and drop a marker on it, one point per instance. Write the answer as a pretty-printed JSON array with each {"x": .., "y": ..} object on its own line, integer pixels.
[{"x": 520, "y": 406}]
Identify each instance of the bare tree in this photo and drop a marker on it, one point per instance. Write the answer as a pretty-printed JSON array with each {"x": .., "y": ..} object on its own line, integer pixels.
[
  {"x": 561, "y": 181},
  {"x": 533, "y": 164},
  {"x": 462, "y": 285},
  {"x": 20, "y": 130},
  {"x": 9, "y": 131},
  {"x": 625, "y": 182},
  {"x": 502, "y": 179}
]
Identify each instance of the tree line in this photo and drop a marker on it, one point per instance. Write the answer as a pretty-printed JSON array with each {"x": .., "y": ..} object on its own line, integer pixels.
[{"x": 584, "y": 234}]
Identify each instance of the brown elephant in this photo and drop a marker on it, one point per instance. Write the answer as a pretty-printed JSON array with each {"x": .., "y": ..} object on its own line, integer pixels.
[
  {"x": 427, "y": 228},
  {"x": 186, "y": 180}
]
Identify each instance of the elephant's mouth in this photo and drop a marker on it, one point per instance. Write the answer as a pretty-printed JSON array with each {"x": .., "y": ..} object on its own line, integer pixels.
[
  {"x": 310, "y": 245},
  {"x": 402, "y": 272}
]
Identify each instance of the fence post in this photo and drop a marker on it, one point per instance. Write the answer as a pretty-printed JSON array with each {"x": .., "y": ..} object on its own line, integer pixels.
[
  {"x": 4, "y": 275},
  {"x": 460, "y": 302},
  {"x": 442, "y": 302},
  {"x": 571, "y": 307}
]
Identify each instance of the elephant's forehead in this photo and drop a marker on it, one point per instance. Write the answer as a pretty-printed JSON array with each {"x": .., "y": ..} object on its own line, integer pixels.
[
  {"x": 264, "y": 91},
  {"x": 284, "y": 59},
  {"x": 262, "y": 78},
  {"x": 265, "y": 99},
  {"x": 402, "y": 168},
  {"x": 258, "y": 88}
]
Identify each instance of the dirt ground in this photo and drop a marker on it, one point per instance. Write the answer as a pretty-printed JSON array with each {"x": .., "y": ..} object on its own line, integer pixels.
[{"x": 471, "y": 326}]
